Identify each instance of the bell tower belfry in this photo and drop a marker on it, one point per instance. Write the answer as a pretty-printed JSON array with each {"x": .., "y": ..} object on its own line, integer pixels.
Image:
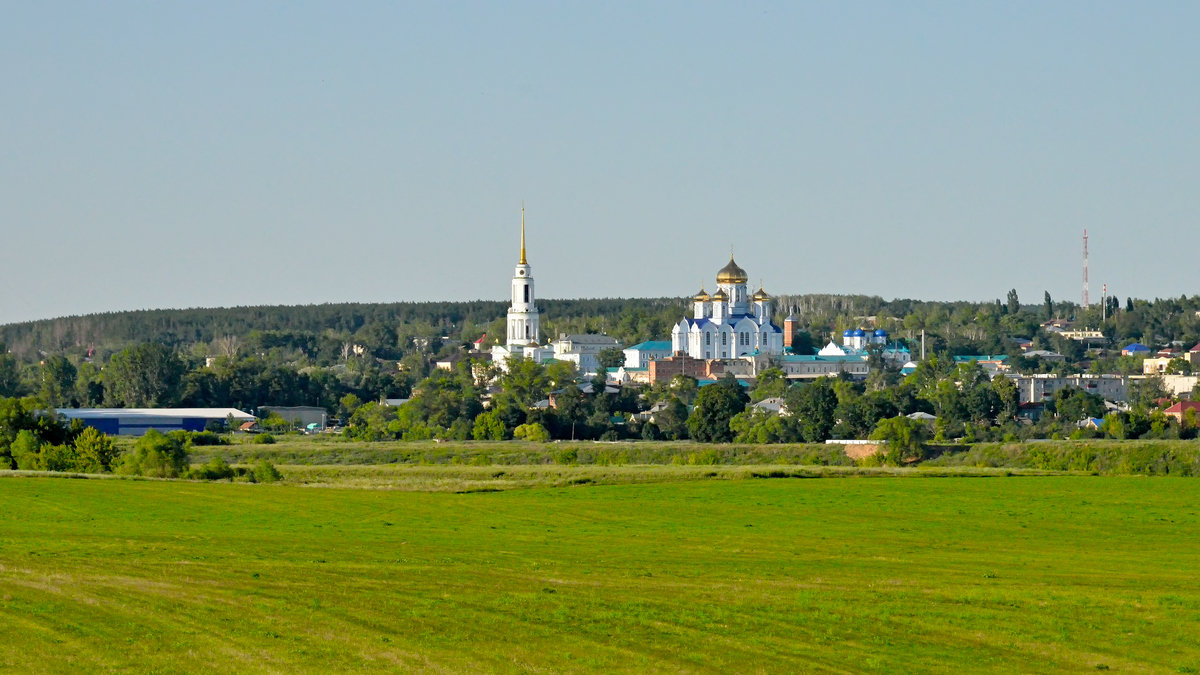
[{"x": 523, "y": 313}]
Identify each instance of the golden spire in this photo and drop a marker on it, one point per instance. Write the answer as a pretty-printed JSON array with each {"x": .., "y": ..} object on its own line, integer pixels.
[{"x": 523, "y": 234}]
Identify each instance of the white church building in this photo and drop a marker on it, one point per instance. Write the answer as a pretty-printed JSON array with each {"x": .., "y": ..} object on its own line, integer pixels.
[
  {"x": 521, "y": 338},
  {"x": 729, "y": 323},
  {"x": 523, "y": 316}
]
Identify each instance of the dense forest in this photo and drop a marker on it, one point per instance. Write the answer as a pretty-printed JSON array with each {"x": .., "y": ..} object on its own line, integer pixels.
[{"x": 320, "y": 334}]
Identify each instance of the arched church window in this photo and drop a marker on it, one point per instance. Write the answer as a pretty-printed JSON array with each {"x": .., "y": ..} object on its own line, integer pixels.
[{"x": 526, "y": 294}]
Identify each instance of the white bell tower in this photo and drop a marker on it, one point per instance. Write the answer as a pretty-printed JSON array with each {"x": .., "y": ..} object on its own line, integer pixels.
[{"x": 522, "y": 313}]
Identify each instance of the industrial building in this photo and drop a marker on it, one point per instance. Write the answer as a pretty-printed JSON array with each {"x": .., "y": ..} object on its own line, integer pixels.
[{"x": 137, "y": 421}]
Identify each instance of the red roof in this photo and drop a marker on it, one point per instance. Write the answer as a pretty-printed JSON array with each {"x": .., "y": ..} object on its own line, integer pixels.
[
  {"x": 1195, "y": 349},
  {"x": 1184, "y": 406}
]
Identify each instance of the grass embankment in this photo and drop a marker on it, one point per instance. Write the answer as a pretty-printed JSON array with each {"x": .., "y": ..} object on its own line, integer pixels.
[
  {"x": 328, "y": 450},
  {"x": 1104, "y": 457},
  {"x": 1017, "y": 575},
  {"x": 458, "y": 466}
]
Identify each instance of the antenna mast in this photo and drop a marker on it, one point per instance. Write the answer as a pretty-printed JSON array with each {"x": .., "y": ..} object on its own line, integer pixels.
[{"x": 1085, "y": 269}]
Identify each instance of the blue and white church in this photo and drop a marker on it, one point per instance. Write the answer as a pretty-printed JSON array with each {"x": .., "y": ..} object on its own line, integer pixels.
[{"x": 730, "y": 323}]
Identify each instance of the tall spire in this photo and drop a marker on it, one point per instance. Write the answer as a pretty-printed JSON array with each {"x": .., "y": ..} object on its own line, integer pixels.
[{"x": 523, "y": 234}]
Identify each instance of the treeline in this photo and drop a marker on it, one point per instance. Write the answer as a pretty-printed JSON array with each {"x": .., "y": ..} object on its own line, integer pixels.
[
  {"x": 325, "y": 334},
  {"x": 320, "y": 333}
]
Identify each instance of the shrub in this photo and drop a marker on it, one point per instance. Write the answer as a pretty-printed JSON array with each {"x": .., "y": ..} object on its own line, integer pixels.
[
  {"x": 216, "y": 469},
  {"x": 264, "y": 439},
  {"x": 155, "y": 455},
  {"x": 532, "y": 432},
  {"x": 207, "y": 438},
  {"x": 265, "y": 472}
]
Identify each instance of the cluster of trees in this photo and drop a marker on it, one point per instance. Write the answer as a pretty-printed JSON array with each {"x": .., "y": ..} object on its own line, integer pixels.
[
  {"x": 450, "y": 405},
  {"x": 153, "y": 375},
  {"x": 32, "y": 438}
]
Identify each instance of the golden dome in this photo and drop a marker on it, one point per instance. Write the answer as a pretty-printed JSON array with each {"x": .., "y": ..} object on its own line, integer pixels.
[
  {"x": 702, "y": 296},
  {"x": 731, "y": 274},
  {"x": 720, "y": 295},
  {"x": 760, "y": 294}
]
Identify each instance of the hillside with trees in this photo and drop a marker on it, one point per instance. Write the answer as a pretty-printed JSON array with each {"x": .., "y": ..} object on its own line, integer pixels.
[{"x": 343, "y": 356}]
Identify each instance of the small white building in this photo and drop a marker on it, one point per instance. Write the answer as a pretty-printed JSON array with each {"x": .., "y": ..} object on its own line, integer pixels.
[
  {"x": 641, "y": 354},
  {"x": 581, "y": 349}
]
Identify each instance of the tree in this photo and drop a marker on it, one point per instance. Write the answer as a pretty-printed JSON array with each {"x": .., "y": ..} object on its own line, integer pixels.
[
  {"x": 526, "y": 381},
  {"x": 148, "y": 375},
  {"x": 610, "y": 357},
  {"x": 905, "y": 439},
  {"x": 1146, "y": 393},
  {"x": 10, "y": 374},
  {"x": 1073, "y": 404},
  {"x": 489, "y": 427},
  {"x": 1007, "y": 396},
  {"x": 1178, "y": 366},
  {"x": 770, "y": 383},
  {"x": 1014, "y": 303},
  {"x": 348, "y": 405},
  {"x": 57, "y": 382},
  {"x": 716, "y": 405},
  {"x": 95, "y": 450},
  {"x": 685, "y": 388},
  {"x": 672, "y": 421},
  {"x": 1048, "y": 307},
  {"x": 815, "y": 407}
]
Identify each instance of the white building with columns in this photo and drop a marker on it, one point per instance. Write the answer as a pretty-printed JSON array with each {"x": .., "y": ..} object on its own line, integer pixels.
[{"x": 729, "y": 323}]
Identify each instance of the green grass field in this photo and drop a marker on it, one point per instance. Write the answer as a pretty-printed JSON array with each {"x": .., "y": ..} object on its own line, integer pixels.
[{"x": 876, "y": 574}]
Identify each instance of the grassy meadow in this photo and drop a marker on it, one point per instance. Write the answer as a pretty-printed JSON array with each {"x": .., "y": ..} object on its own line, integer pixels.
[{"x": 854, "y": 574}]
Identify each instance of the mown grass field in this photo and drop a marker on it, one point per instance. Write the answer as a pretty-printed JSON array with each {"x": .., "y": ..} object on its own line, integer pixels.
[{"x": 857, "y": 574}]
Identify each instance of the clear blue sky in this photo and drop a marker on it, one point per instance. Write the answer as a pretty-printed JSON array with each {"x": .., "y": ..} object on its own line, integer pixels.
[{"x": 231, "y": 153}]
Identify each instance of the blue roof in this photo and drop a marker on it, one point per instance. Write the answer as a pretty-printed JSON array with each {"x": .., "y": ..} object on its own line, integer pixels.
[
  {"x": 653, "y": 346},
  {"x": 705, "y": 383},
  {"x": 847, "y": 333},
  {"x": 1135, "y": 347},
  {"x": 881, "y": 333},
  {"x": 858, "y": 332},
  {"x": 806, "y": 358}
]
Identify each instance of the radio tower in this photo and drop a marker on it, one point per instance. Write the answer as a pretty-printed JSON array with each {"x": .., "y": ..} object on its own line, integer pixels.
[{"x": 1085, "y": 270}]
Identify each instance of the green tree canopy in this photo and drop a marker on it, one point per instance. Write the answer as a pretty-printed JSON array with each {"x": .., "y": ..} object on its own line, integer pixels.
[
  {"x": 148, "y": 375},
  {"x": 716, "y": 404}
]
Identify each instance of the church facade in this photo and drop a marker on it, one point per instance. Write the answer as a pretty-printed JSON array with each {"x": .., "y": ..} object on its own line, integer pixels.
[{"x": 730, "y": 323}]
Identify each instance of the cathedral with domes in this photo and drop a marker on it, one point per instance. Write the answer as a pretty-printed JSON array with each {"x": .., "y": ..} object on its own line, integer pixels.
[{"x": 730, "y": 323}]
